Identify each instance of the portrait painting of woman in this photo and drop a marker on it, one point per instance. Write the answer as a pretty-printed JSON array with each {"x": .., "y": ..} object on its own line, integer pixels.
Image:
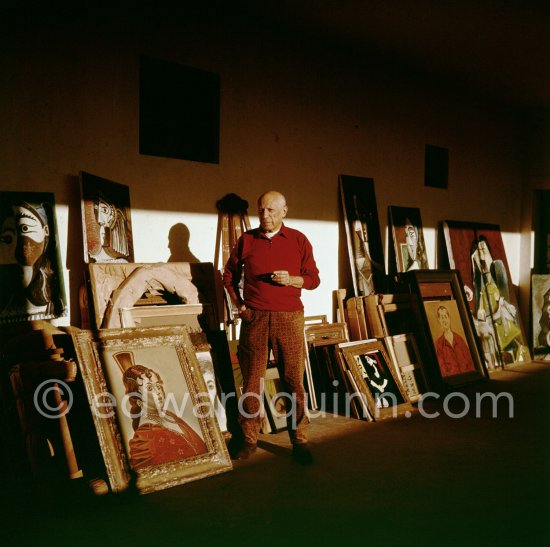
[
  {"x": 160, "y": 436},
  {"x": 477, "y": 251},
  {"x": 30, "y": 264}
]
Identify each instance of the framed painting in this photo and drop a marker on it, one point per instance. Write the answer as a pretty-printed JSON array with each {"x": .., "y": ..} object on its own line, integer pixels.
[
  {"x": 151, "y": 408},
  {"x": 326, "y": 331},
  {"x": 363, "y": 237},
  {"x": 409, "y": 249},
  {"x": 319, "y": 331},
  {"x": 213, "y": 358},
  {"x": 275, "y": 399},
  {"x": 445, "y": 316},
  {"x": 476, "y": 250},
  {"x": 31, "y": 271},
  {"x": 373, "y": 374},
  {"x": 106, "y": 220},
  {"x": 404, "y": 353},
  {"x": 205, "y": 355},
  {"x": 328, "y": 380},
  {"x": 115, "y": 287},
  {"x": 540, "y": 306}
]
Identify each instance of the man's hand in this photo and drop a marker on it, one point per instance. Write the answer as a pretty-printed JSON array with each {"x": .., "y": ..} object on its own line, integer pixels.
[{"x": 282, "y": 277}]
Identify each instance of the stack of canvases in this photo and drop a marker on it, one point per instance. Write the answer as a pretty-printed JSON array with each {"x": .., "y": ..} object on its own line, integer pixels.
[
  {"x": 361, "y": 379},
  {"x": 463, "y": 317},
  {"x": 147, "y": 371},
  {"x": 158, "y": 350}
]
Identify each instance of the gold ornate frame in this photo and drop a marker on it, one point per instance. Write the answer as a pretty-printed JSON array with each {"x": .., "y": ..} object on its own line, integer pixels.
[{"x": 171, "y": 354}]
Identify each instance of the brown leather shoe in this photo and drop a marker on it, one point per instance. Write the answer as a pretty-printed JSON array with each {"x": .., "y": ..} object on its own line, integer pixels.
[{"x": 246, "y": 451}]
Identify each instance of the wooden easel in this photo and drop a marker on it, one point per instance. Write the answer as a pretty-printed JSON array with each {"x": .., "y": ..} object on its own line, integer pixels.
[{"x": 232, "y": 222}]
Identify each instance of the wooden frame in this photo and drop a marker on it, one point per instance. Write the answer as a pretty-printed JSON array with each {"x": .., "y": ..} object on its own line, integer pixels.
[
  {"x": 32, "y": 283},
  {"x": 376, "y": 379},
  {"x": 319, "y": 331},
  {"x": 442, "y": 299},
  {"x": 118, "y": 286},
  {"x": 406, "y": 357},
  {"x": 129, "y": 441},
  {"x": 326, "y": 331},
  {"x": 328, "y": 378},
  {"x": 196, "y": 317},
  {"x": 106, "y": 220},
  {"x": 364, "y": 241},
  {"x": 409, "y": 248},
  {"x": 275, "y": 407}
]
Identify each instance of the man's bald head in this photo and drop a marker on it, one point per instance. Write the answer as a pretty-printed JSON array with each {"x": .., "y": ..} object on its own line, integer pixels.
[{"x": 271, "y": 210}]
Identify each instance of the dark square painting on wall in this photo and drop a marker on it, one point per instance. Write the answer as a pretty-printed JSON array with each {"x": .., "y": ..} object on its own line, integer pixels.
[
  {"x": 179, "y": 111},
  {"x": 436, "y": 166}
]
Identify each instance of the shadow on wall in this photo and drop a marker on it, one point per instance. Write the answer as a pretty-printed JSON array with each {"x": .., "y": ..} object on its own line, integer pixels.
[{"x": 178, "y": 243}]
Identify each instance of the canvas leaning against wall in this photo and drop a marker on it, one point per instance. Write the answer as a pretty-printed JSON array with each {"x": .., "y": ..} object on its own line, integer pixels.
[
  {"x": 476, "y": 250},
  {"x": 540, "y": 305},
  {"x": 31, "y": 274},
  {"x": 364, "y": 241},
  {"x": 152, "y": 411},
  {"x": 409, "y": 248},
  {"x": 106, "y": 220}
]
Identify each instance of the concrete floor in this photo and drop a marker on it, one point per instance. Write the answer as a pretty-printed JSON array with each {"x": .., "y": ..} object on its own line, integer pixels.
[{"x": 475, "y": 480}]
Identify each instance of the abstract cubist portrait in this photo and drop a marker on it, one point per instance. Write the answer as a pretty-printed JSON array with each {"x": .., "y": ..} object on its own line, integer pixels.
[
  {"x": 540, "y": 305},
  {"x": 408, "y": 238},
  {"x": 363, "y": 236},
  {"x": 31, "y": 274},
  {"x": 106, "y": 220},
  {"x": 476, "y": 250}
]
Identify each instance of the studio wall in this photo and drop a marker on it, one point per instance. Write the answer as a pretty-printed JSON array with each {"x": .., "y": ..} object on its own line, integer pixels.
[{"x": 295, "y": 114}]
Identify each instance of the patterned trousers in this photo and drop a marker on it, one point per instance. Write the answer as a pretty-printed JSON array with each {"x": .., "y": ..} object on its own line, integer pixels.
[{"x": 283, "y": 333}]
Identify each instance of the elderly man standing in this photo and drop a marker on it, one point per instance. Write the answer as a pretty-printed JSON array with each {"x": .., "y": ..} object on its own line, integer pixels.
[{"x": 278, "y": 263}]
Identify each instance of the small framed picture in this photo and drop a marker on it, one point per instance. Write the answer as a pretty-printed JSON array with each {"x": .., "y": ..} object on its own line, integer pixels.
[
  {"x": 455, "y": 346},
  {"x": 319, "y": 331},
  {"x": 373, "y": 373},
  {"x": 151, "y": 407},
  {"x": 328, "y": 378},
  {"x": 405, "y": 355}
]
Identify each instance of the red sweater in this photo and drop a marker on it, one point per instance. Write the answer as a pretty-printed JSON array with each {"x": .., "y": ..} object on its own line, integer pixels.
[
  {"x": 453, "y": 359},
  {"x": 259, "y": 255}
]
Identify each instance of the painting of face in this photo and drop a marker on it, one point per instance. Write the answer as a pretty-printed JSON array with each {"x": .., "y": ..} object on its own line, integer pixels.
[
  {"x": 31, "y": 273},
  {"x": 32, "y": 234},
  {"x": 106, "y": 220},
  {"x": 152, "y": 390}
]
